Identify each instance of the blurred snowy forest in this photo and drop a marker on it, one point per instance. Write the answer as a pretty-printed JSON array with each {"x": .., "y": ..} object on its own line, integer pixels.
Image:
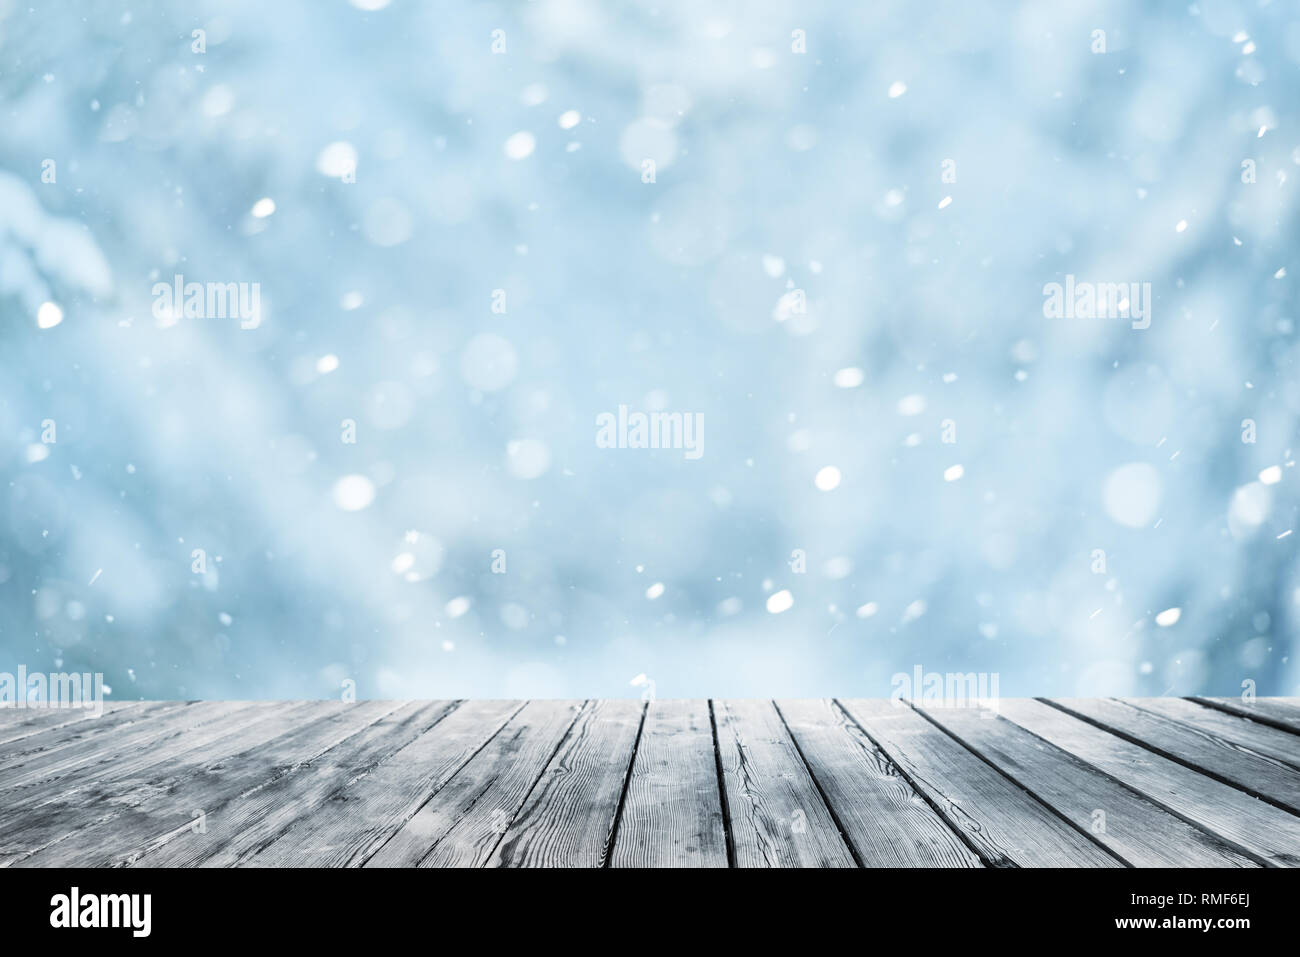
[{"x": 839, "y": 264}]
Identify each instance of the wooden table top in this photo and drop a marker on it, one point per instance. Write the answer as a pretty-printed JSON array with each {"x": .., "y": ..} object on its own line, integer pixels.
[{"x": 1088, "y": 782}]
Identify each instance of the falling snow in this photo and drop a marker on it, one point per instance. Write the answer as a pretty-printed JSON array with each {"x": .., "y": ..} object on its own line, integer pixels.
[{"x": 462, "y": 260}]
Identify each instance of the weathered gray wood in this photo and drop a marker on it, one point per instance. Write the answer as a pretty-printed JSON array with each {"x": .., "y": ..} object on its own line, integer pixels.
[
  {"x": 258, "y": 816},
  {"x": 19, "y": 723},
  {"x": 60, "y": 741},
  {"x": 776, "y": 815},
  {"x": 672, "y": 813},
  {"x": 39, "y": 713},
  {"x": 1001, "y": 820},
  {"x": 149, "y": 815},
  {"x": 617, "y": 783},
  {"x": 461, "y": 826},
  {"x": 886, "y": 822},
  {"x": 1249, "y": 824},
  {"x": 568, "y": 819},
  {"x": 1229, "y": 728},
  {"x": 1137, "y": 829},
  {"x": 357, "y": 819},
  {"x": 1259, "y": 775},
  {"x": 51, "y": 811},
  {"x": 1283, "y": 713},
  {"x": 113, "y": 752}
]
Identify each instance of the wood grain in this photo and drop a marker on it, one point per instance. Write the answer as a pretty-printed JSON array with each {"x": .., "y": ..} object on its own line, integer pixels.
[
  {"x": 1139, "y": 831},
  {"x": 568, "y": 819},
  {"x": 358, "y": 818},
  {"x": 884, "y": 820},
  {"x": 259, "y": 816},
  {"x": 672, "y": 814},
  {"x": 19, "y": 723},
  {"x": 149, "y": 817},
  {"x": 1282, "y": 713},
  {"x": 1229, "y": 728},
  {"x": 1006, "y": 824},
  {"x": 776, "y": 814},
  {"x": 52, "y": 811},
  {"x": 112, "y": 754},
  {"x": 473, "y": 810},
  {"x": 1214, "y": 755},
  {"x": 1250, "y": 825},
  {"x": 62, "y": 743}
]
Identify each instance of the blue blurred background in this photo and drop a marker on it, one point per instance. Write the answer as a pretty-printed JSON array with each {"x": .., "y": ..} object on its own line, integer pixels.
[{"x": 916, "y": 177}]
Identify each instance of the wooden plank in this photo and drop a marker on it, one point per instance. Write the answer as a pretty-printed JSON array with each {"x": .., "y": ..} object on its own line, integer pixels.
[
  {"x": 569, "y": 818},
  {"x": 356, "y": 821},
  {"x": 1006, "y": 824},
  {"x": 461, "y": 826},
  {"x": 776, "y": 816},
  {"x": 40, "y": 713},
  {"x": 1254, "y": 773},
  {"x": 113, "y": 756},
  {"x": 1261, "y": 829},
  {"x": 258, "y": 816},
  {"x": 1230, "y": 729},
  {"x": 50, "y": 811},
  {"x": 61, "y": 740},
  {"x": 164, "y": 807},
  {"x": 672, "y": 813},
  {"x": 19, "y": 723},
  {"x": 81, "y": 756},
  {"x": 1281, "y": 713},
  {"x": 1136, "y": 829},
  {"x": 884, "y": 820}
]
